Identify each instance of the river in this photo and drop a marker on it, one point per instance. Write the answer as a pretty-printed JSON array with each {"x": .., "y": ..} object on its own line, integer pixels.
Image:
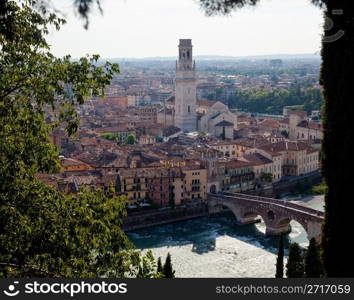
[{"x": 216, "y": 247}]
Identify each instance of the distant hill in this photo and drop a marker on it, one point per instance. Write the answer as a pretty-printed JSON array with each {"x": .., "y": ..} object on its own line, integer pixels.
[{"x": 221, "y": 57}]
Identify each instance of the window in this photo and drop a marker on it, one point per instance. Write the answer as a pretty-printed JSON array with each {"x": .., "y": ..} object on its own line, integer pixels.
[{"x": 189, "y": 109}]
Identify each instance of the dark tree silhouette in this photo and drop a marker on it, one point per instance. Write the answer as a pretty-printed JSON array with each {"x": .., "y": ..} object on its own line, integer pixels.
[
  {"x": 84, "y": 7},
  {"x": 168, "y": 271},
  {"x": 280, "y": 259},
  {"x": 159, "y": 265},
  {"x": 313, "y": 264},
  {"x": 212, "y": 7},
  {"x": 295, "y": 264},
  {"x": 337, "y": 158}
]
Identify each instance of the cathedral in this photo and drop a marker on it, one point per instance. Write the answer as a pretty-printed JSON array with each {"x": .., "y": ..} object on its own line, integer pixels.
[{"x": 188, "y": 113}]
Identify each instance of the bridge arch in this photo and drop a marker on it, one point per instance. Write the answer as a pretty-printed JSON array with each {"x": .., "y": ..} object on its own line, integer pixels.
[
  {"x": 216, "y": 206},
  {"x": 298, "y": 232},
  {"x": 285, "y": 221},
  {"x": 276, "y": 214},
  {"x": 252, "y": 215},
  {"x": 312, "y": 229}
]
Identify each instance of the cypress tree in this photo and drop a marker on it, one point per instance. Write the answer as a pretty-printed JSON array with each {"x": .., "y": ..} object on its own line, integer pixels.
[
  {"x": 313, "y": 264},
  {"x": 168, "y": 271},
  {"x": 159, "y": 265},
  {"x": 280, "y": 259},
  {"x": 295, "y": 264}
]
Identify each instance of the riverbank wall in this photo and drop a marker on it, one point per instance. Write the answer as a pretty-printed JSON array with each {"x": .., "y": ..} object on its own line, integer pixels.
[
  {"x": 165, "y": 216},
  {"x": 278, "y": 189},
  {"x": 155, "y": 217}
]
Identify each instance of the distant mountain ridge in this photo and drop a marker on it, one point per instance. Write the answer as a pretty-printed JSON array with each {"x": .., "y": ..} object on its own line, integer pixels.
[{"x": 222, "y": 57}]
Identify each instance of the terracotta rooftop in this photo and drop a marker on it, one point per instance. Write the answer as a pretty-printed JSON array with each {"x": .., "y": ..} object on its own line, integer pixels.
[
  {"x": 249, "y": 142},
  {"x": 233, "y": 163},
  {"x": 86, "y": 141},
  {"x": 206, "y": 103},
  {"x": 70, "y": 162},
  {"x": 309, "y": 125},
  {"x": 269, "y": 123},
  {"x": 284, "y": 121},
  {"x": 288, "y": 146},
  {"x": 257, "y": 159}
]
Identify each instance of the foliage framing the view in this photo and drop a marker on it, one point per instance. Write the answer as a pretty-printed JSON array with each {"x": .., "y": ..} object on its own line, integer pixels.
[{"x": 44, "y": 233}]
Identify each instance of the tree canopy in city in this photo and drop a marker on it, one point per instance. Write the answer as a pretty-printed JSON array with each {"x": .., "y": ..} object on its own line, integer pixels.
[{"x": 273, "y": 101}]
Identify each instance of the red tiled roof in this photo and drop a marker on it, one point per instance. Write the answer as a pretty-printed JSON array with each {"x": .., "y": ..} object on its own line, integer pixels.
[
  {"x": 234, "y": 163},
  {"x": 269, "y": 123},
  {"x": 309, "y": 125},
  {"x": 207, "y": 103},
  {"x": 257, "y": 159},
  {"x": 287, "y": 146},
  {"x": 285, "y": 121},
  {"x": 251, "y": 142},
  {"x": 69, "y": 162}
]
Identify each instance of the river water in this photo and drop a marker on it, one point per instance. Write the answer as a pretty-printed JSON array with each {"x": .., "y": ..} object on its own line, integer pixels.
[{"x": 216, "y": 247}]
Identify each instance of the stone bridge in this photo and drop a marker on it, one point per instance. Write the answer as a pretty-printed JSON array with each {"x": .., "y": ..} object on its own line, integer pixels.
[{"x": 276, "y": 214}]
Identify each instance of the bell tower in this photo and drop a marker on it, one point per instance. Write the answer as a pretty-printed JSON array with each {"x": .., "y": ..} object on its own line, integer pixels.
[{"x": 185, "y": 87}]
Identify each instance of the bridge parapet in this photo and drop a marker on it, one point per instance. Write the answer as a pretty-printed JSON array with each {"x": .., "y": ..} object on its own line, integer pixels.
[
  {"x": 275, "y": 213},
  {"x": 278, "y": 202}
]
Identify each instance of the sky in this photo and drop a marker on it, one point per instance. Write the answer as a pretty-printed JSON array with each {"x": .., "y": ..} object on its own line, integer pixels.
[{"x": 141, "y": 28}]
